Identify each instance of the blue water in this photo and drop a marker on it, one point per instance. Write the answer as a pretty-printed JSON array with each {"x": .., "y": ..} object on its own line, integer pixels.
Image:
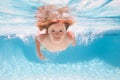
[{"x": 95, "y": 57}]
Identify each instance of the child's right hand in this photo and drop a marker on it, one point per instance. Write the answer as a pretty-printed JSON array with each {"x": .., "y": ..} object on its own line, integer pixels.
[{"x": 42, "y": 57}]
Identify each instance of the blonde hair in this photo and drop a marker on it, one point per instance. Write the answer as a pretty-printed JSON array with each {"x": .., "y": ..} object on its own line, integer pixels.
[
  {"x": 45, "y": 14},
  {"x": 47, "y": 24}
]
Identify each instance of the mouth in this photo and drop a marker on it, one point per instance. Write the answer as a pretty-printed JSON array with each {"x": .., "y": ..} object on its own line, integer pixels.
[{"x": 56, "y": 38}]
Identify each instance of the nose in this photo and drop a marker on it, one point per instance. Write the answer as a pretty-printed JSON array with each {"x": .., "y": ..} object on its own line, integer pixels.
[{"x": 56, "y": 33}]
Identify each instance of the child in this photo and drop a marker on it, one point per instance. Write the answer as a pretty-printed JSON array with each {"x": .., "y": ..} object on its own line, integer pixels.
[{"x": 54, "y": 23}]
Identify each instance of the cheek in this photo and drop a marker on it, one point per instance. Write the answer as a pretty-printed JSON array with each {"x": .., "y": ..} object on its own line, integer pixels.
[
  {"x": 51, "y": 34},
  {"x": 62, "y": 34}
]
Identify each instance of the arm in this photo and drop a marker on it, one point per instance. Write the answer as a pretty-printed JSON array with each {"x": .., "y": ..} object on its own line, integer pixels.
[
  {"x": 72, "y": 38},
  {"x": 40, "y": 55},
  {"x": 73, "y": 41}
]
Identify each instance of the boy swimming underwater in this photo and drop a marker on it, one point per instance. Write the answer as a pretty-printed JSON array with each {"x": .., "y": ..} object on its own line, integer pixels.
[{"x": 53, "y": 23}]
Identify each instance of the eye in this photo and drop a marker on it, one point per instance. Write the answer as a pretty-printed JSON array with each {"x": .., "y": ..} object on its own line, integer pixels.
[
  {"x": 60, "y": 31},
  {"x": 53, "y": 31}
]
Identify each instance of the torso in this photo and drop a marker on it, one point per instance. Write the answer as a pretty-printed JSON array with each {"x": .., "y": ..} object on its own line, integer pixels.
[{"x": 52, "y": 46}]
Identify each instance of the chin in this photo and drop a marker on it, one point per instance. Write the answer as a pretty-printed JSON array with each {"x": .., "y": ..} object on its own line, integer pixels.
[{"x": 57, "y": 40}]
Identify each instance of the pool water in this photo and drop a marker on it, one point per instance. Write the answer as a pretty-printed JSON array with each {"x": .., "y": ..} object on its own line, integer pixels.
[{"x": 95, "y": 57}]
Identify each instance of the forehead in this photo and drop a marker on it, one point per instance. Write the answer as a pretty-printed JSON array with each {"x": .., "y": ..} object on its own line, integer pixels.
[{"x": 57, "y": 26}]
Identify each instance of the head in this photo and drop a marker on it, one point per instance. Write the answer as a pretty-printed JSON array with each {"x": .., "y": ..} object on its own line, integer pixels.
[{"x": 57, "y": 32}]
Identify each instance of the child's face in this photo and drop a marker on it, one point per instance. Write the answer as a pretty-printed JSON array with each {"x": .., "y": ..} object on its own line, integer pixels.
[{"x": 57, "y": 32}]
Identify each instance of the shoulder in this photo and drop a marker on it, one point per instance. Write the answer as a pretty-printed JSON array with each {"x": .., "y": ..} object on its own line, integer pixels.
[
  {"x": 41, "y": 37},
  {"x": 70, "y": 34}
]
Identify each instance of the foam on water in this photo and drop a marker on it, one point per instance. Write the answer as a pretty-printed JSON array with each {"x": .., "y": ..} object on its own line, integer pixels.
[
  {"x": 85, "y": 31},
  {"x": 19, "y": 68}
]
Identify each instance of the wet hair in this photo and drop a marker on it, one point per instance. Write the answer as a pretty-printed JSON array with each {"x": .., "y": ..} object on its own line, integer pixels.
[{"x": 67, "y": 25}]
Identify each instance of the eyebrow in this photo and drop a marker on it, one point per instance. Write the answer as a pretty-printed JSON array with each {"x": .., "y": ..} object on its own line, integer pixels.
[{"x": 66, "y": 24}]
